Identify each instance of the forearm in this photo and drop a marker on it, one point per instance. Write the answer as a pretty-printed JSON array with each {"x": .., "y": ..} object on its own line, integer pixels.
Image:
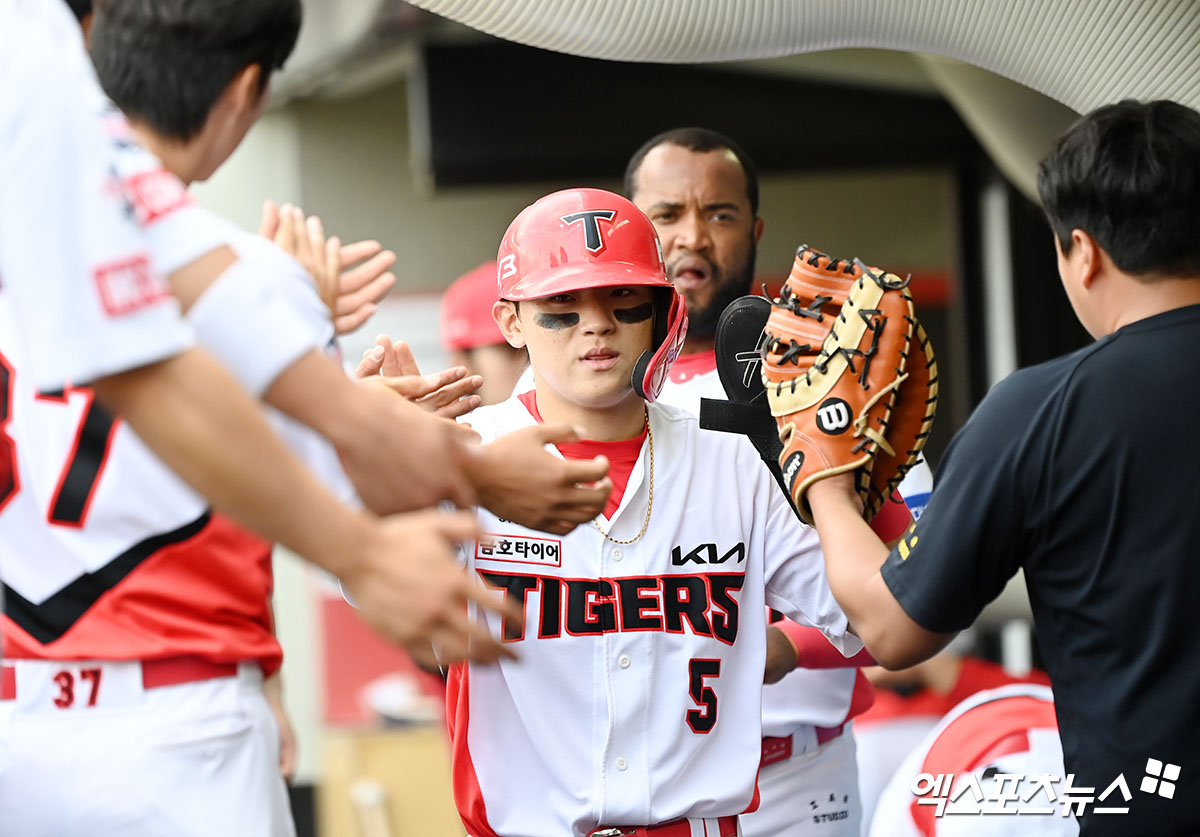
[
  {"x": 813, "y": 650},
  {"x": 273, "y": 691},
  {"x": 854, "y": 556},
  {"x": 342, "y": 412},
  {"x": 398, "y": 457},
  {"x": 205, "y": 428}
]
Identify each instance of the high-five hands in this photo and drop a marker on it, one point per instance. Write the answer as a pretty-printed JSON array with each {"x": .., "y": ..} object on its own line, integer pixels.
[
  {"x": 351, "y": 278},
  {"x": 518, "y": 479},
  {"x": 391, "y": 366},
  {"x": 411, "y": 590}
]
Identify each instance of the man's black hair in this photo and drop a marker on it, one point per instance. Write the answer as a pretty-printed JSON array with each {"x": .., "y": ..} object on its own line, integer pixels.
[
  {"x": 81, "y": 8},
  {"x": 1129, "y": 176},
  {"x": 166, "y": 62},
  {"x": 700, "y": 140}
]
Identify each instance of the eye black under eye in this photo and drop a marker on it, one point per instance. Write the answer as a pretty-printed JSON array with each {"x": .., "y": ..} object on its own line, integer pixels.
[
  {"x": 637, "y": 314},
  {"x": 556, "y": 322}
]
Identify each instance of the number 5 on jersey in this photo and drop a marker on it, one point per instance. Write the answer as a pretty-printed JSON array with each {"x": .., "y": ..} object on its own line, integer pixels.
[{"x": 702, "y": 720}]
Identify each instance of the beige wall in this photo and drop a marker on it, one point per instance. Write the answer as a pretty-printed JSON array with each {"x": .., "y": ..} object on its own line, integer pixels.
[
  {"x": 355, "y": 171},
  {"x": 901, "y": 219}
]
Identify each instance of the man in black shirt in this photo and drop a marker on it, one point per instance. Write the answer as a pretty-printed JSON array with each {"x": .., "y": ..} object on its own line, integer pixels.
[{"x": 1081, "y": 472}]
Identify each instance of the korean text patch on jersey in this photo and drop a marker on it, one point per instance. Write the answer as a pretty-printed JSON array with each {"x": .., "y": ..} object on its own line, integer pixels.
[{"x": 520, "y": 549}]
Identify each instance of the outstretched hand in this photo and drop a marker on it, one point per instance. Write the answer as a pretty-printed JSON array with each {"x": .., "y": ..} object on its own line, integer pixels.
[
  {"x": 517, "y": 479},
  {"x": 353, "y": 277},
  {"x": 409, "y": 587},
  {"x": 391, "y": 366}
]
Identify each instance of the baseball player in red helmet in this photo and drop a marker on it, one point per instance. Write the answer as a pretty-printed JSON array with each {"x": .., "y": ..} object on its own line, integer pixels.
[
  {"x": 635, "y": 707},
  {"x": 472, "y": 337}
]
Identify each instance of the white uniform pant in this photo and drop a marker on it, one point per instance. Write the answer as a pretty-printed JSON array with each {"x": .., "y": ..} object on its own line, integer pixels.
[
  {"x": 811, "y": 794},
  {"x": 196, "y": 759}
]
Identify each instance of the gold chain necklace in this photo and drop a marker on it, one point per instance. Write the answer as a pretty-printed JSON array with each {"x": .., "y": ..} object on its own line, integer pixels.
[{"x": 649, "y": 502}]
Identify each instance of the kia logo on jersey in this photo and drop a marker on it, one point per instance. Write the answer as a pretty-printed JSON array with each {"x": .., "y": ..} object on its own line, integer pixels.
[{"x": 707, "y": 553}]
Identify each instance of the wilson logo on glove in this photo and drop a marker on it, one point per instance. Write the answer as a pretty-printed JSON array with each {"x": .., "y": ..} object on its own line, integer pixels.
[{"x": 833, "y": 417}]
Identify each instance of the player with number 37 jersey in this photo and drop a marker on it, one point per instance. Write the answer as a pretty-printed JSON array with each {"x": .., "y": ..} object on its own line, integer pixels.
[
  {"x": 635, "y": 703},
  {"x": 136, "y": 630}
]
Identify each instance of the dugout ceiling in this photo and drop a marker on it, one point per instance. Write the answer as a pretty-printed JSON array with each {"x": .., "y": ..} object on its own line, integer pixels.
[
  {"x": 348, "y": 47},
  {"x": 1083, "y": 53}
]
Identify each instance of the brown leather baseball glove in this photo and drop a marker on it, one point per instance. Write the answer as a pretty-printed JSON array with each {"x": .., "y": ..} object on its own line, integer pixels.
[{"x": 839, "y": 381}]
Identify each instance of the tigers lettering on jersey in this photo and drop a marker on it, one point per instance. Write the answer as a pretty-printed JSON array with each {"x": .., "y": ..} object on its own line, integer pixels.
[{"x": 595, "y": 606}]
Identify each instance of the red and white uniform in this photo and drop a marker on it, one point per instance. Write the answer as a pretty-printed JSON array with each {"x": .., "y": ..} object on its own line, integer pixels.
[
  {"x": 135, "y": 635},
  {"x": 90, "y": 504},
  {"x": 636, "y": 700},
  {"x": 136, "y": 630},
  {"x": 1012, "y": 730},
  {"x": 809, "y": 778},
  {"x": 73, "y": 261}
]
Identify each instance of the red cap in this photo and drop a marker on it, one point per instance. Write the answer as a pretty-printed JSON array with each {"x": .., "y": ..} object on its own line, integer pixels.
[{"x": 467, "y": 311}]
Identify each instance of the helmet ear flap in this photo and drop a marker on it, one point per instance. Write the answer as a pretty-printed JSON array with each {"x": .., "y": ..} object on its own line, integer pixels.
[
  {"x": 641, "y": 375},
  {"x": 650, "y": 371},
  {"x": 663, "y": 297}
]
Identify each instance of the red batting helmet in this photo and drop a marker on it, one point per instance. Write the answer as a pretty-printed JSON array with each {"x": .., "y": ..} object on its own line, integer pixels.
[{"x": 590, "y": 238}]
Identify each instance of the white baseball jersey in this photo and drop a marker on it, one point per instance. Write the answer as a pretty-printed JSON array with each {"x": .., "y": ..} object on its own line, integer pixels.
[
  {"x": 72, "y": 256},
  {"x": 89, "y": 506},
  {"x": 636, "y": 700},
  {"x": 105, "y": 554},
  {"x": 817, "y": 697},
  {"x": 281, "y": 316},
  {"x": 86, "y": 505}
]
